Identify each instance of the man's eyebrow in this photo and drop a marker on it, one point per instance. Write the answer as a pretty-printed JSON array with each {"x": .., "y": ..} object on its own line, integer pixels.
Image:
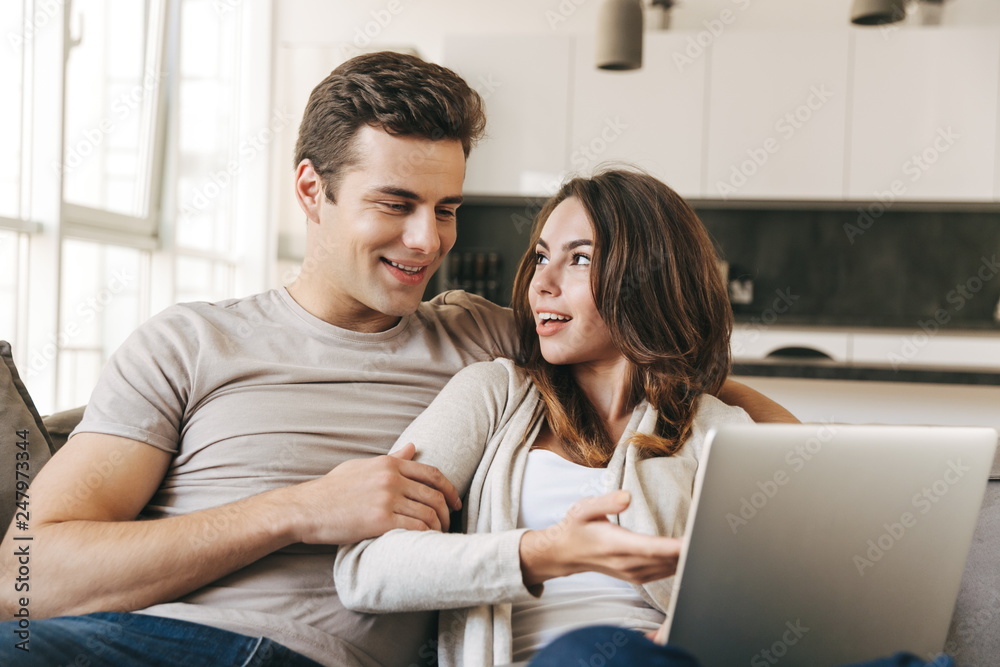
[{"x": 403, "y": 193}]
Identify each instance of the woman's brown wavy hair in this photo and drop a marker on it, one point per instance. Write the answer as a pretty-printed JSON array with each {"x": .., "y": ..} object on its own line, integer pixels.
[{"x": 657, "y": 285}]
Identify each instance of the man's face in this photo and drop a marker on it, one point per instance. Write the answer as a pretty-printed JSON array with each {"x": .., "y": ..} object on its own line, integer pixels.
[{"x": 389, "y": 230}]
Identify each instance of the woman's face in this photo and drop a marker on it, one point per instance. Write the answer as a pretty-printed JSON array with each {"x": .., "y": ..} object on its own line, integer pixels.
[{"x": 570, "y": 330}]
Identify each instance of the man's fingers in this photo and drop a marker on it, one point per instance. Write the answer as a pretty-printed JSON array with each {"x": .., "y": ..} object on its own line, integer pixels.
[
  {"x": 407, "y": 511},
  {"x": 432, "y": 477},
  {"x": 421, "y": 494},
  {"x": 406, "y": 452}
]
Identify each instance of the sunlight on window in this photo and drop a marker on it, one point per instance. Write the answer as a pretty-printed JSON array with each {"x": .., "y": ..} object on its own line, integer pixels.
[
  {"x": 101, "y": 305},
  {"x": 110, "y": 93},
  {"x": 203, "y": 279},
  {"x": 10, "y": 244},
  {"x": 209, "y": 160},
  {"x": 11, "y": 65}
]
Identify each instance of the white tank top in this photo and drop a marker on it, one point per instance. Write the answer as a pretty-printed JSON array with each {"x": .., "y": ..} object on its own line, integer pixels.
[{"x": 551, "y": 486}]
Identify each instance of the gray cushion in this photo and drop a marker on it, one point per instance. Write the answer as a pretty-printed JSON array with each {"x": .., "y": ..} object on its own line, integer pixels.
[
  {"x": 61, "y": 424},
  {"x": 974, "y": 638},
  {"x": 24, "y": 444}
]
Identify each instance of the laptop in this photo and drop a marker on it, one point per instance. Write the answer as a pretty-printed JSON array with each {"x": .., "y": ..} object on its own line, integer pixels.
[{"x": 827, "y": 544}]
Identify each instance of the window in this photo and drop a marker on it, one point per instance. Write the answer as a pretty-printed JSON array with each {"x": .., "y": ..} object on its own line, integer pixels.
[{"x": 128, "y": 152}]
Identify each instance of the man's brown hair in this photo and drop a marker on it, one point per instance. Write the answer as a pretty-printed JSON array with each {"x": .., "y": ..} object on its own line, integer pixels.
[
  {"x": 394, "y": 92},
  {"x": 657, "y": 286}
]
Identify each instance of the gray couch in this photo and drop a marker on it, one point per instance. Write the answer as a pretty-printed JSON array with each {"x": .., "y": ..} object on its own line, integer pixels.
[{"x": 974, "y": 638}]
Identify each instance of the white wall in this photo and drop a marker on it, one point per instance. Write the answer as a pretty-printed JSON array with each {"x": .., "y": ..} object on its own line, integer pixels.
[{"x": 423, "y": 23}]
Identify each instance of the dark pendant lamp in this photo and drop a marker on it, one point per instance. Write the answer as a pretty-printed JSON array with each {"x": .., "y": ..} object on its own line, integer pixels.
[
  {"x": 877, "y": 12},
  {"x": 619, "y": 34}
]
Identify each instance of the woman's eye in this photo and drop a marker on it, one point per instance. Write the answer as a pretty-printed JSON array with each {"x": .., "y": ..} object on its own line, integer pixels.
[
  {"x": 541, "y": 259},
  {"x": 581, "y": 259}
]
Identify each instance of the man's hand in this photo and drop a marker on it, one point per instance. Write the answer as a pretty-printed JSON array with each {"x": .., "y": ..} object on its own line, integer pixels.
[
  {"x": 760, "y": 408},
  {"x": 585, "y": 541},
  {"x": 364, "y": 498}
]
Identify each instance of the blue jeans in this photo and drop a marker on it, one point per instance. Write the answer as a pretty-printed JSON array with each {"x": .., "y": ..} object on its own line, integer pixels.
[
  {"x": 114, "y": 638},
  {"x": 612, "y": 646}
]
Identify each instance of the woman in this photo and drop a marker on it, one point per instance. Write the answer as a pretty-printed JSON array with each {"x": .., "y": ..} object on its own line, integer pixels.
[{"x": 625, "y": 328}]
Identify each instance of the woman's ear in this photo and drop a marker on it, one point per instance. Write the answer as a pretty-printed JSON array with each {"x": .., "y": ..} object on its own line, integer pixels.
[{"x": 308, "y": 190}]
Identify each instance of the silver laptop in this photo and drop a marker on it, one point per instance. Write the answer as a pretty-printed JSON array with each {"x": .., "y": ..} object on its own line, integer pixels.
[{"x": 827, "y": 544}]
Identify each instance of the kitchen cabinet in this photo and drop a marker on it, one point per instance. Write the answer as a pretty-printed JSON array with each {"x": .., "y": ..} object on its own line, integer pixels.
[
  {"x": 924, "y": 114},
  {"x": 777, "y": 114},
  {"x": 653, "y": 117},
  {"x": 928, "y": 347},
  {"x": 857, "y": 402},
  {"x": 524, "y": 81},
  {"x": 756, "y": 341}
]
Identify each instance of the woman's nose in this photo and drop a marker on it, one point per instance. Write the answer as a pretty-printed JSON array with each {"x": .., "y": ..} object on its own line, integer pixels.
[{"x": 546, "y": 280}]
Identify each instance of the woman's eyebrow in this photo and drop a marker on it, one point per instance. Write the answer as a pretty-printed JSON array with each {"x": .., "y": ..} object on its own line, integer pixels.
[
  {"x": 569, "y": 245},
  {"x": 577, "y": 243}
]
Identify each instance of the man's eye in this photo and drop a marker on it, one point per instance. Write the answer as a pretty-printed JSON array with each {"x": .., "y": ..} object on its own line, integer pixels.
[
  {"x": 396, "y": 207},
  {"x": 446, "y": 213}
]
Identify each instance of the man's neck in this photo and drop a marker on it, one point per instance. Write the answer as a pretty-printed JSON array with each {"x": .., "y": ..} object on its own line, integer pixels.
[{"x": 317, "y": 302}]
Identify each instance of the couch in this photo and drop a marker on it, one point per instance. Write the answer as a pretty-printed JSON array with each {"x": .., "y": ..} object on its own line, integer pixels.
[{"x": 974, "y": 637}]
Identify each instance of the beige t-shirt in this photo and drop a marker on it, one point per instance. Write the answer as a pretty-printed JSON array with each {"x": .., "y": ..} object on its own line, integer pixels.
[{"x": 254, "y": 394}]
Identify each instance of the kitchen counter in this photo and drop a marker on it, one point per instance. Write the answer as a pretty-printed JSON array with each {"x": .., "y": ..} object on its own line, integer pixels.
[{"x": 832, "y": 370}]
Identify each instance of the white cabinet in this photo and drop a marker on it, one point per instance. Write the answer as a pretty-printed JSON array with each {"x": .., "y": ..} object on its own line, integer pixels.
[
  {"x": 859, "y": 402},
  {"x": 776, "y": 115},
  {"x": 920, "y": 347},
  {"x": 924, "y": 114},
  {"x": 752, "y": 341},
  {"x": 524, "y": 80},
  {"x": 652, "y": 117}
]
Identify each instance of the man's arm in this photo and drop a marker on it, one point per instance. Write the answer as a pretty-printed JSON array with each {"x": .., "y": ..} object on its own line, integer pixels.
[
  {"x": 757, "y": 405},
  {"x": 89, "y": 552}
]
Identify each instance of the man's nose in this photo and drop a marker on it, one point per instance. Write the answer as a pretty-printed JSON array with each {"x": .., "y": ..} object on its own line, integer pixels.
[{"x": 421, "y": 233}]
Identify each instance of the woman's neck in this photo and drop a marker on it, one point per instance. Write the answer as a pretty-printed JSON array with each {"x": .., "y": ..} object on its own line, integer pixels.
[{"x": 605, "y": 385}]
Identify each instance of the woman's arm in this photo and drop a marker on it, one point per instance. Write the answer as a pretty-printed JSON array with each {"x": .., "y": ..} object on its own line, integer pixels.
[
  {"x": 409, "y": 570},
  {"x": 405, "y": 571},
  {"x": 758, "y": 406}
]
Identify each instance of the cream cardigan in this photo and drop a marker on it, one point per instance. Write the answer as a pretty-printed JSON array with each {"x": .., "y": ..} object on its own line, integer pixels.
[{"x": 478, "y": 432}]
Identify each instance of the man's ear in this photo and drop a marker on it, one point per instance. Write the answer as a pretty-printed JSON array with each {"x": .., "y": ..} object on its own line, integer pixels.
[{"x": 308, "y": 190}]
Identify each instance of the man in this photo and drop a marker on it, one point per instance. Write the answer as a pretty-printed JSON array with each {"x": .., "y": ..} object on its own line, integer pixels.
[{"x": 229, "y": 447}]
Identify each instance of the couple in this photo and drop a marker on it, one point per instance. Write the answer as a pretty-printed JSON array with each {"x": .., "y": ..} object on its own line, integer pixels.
[{"x": 194, "y": 515}]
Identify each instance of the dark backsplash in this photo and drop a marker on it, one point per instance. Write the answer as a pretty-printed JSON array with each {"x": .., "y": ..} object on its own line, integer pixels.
[
  {"x": 834, "y": 268},
  {"x": 896, "y": 270}
]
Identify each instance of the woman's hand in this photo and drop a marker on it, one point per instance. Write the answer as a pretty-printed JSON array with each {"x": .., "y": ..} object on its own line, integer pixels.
[{"x": 585, "y": 541}]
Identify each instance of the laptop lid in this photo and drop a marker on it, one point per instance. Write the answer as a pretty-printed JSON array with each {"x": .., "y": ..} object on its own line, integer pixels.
[{"x": 826, "y": 544}]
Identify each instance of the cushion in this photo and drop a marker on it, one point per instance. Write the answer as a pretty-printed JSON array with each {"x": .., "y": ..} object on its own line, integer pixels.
[
  {"x": 24, "y": 444},
  {"x": 61, "y": 424}
]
